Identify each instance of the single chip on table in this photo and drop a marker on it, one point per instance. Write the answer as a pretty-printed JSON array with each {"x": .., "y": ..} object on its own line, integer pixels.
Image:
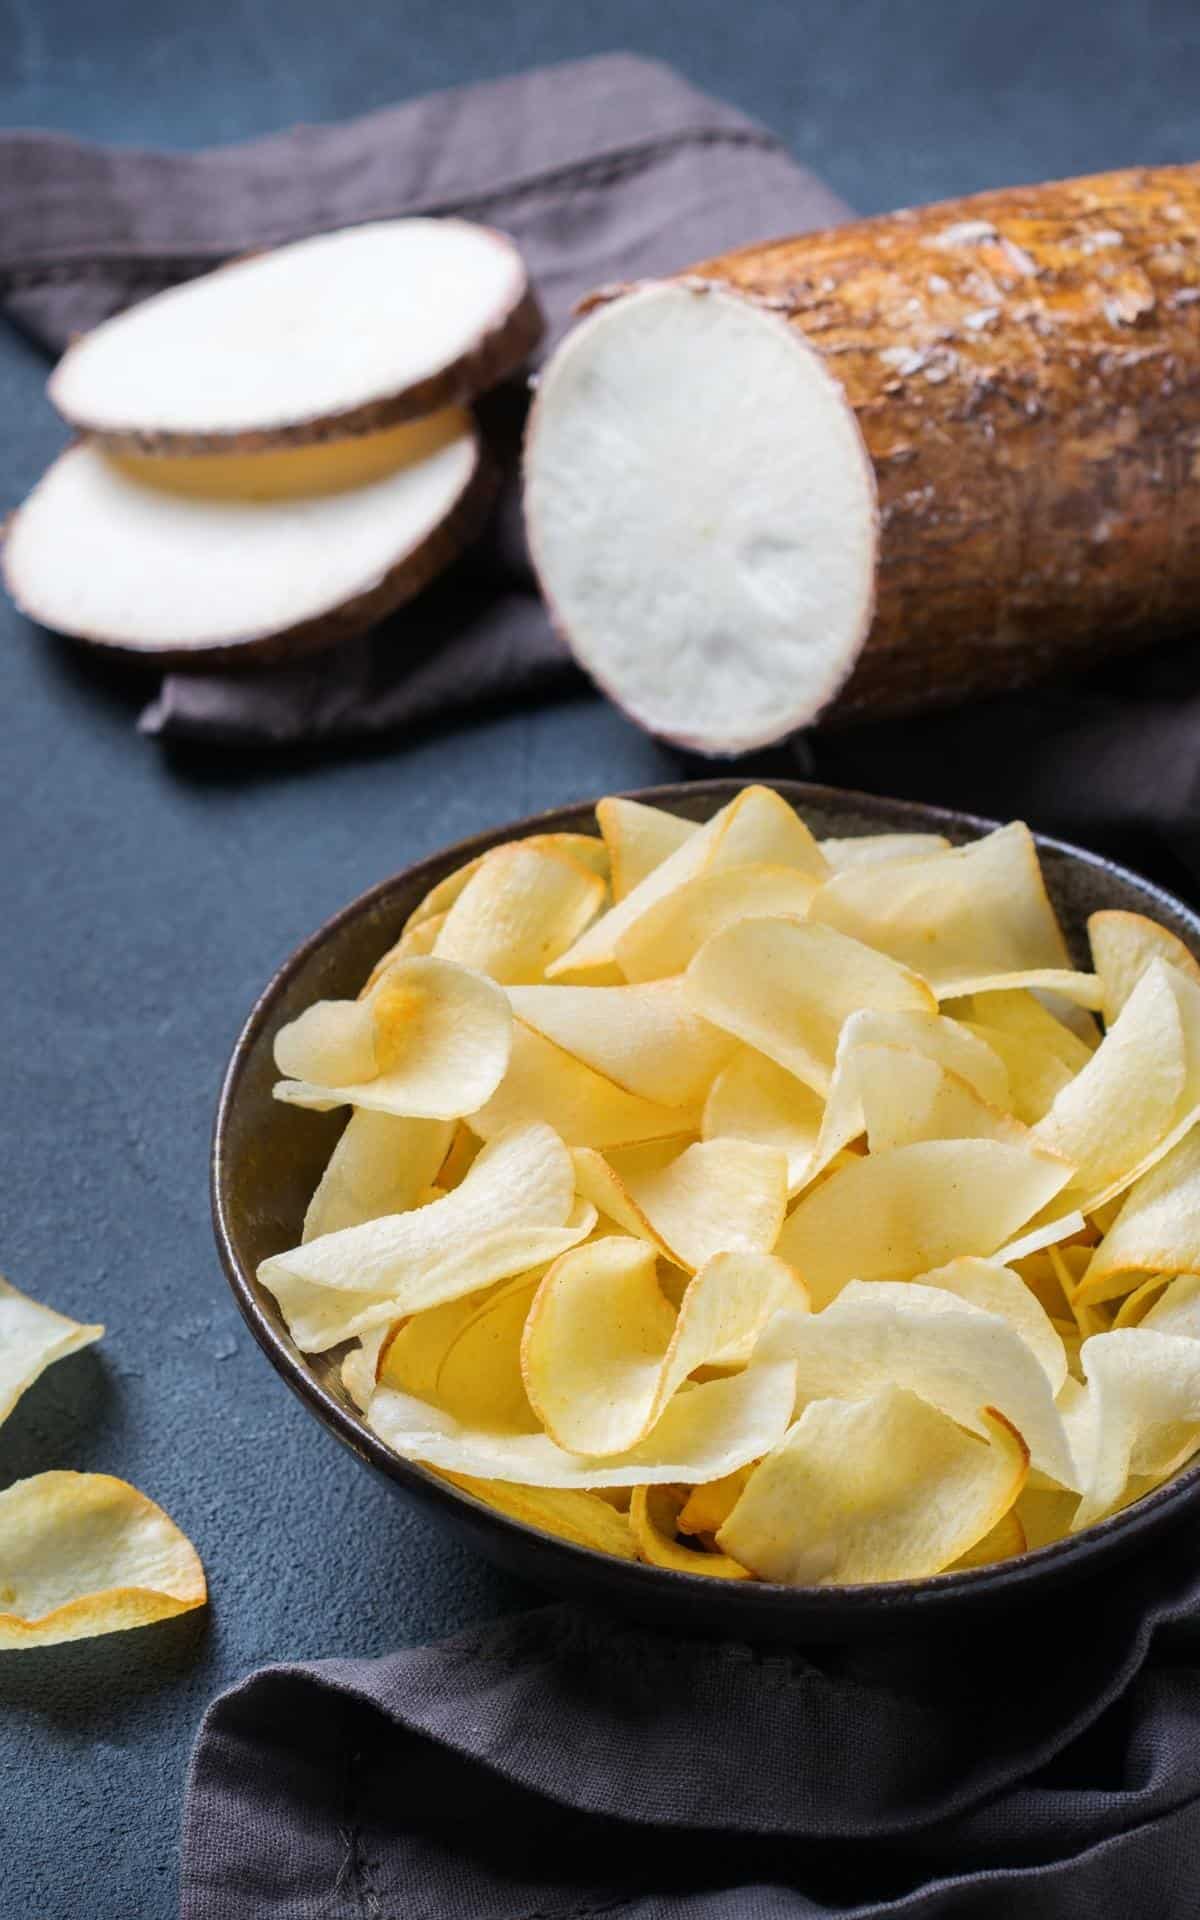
[{"x": 32, "y": 1337}]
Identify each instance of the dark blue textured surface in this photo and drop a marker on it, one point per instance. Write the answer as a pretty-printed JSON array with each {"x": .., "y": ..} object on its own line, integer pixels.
[{"x": 146, "y": 899}]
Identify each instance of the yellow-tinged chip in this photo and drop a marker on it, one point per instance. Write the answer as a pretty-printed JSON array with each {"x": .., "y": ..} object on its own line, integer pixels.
[
  {"x": 705, "y": 1432},
  {"x": 707, "y": 1508},
  {"x": 414, "y": 943},
  {"x": 430, "y": 1041},
  {"x": 717, "y": 1196},
  {"x": 1004, "y": 1542},
  {"x": 665, "y": 938},
  {"x": 755, "y": 826},
  {"x": 997, "y": 1289},
  {"x": 639, "y": 838},
  {"x": 82, "y": 1554},
  {"x": 753, "y": 1099},
  {"x": 787, "y": 988},
  {"x": 942, "y": 1347},
  {"x": 1123, "y": 946},
  {"x": 461, "y": 1155},
  {"x": 1157, "y": 1230},
  {"x": 1076, "y": 990},
  {"x": 648, "y": 1039},
  {"x": 1144, "y": 1411},
  {"x": 360, "y": 1367},
  {"x": 1045, "y": 1514},
  {"x": 868, "y": 849},
  {"x": 1122, "y": 1103},
  {"x": 521, "y": 908},
  {"x": 653, "y": 1519},
  {"x": 605, "y": 1351},
  {"x": 970, "y": 914},
  {"x": 1175, "y": 1308},
  {"x": 584, "y": 848},
  {"x": 895, "y": 1215},
  {"x": 32, "y": 1337},
  {"x": 582, "y": 1518},
  {"x": 885, "y": 1488},
  {"x": 383, "y": 1163},
  {"x": 514, "y": 1210},
  {"x": 907, "y": 1097},
  {"x": 543, "y": 1082},
  {"x": 1036, "y": 1076},
  {"x": 1022, "y": 1015},
  {"x": 479, "y": 1377},
  {"x": 1048, "y": 1229}
]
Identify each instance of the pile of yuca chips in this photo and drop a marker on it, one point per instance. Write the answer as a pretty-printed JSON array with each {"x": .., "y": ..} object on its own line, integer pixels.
[
  {"x": 761, "y": 1206},
  {"x": 80, "y": 1553}
]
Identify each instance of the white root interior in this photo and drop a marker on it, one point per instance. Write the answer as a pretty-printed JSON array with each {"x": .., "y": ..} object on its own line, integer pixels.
[
  {"x": 206, "y": 552},
  {"x": 308, "y": 331},
  {"x": 702, "y": 514}
]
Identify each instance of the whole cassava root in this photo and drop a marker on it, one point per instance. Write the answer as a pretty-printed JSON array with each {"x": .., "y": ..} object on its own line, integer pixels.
[{"x": 1024, "y": 370}]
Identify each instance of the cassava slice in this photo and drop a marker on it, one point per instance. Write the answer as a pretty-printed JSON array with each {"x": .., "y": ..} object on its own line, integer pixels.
[
  {"x": 1021, "y": 366},
  {"x": 329, "y": 336},
  {"x": 246, "y": 558},
  {"x": 701, "y": 512}
]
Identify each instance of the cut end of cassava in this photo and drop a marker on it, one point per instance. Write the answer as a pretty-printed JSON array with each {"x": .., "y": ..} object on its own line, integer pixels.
[
  {"x": 340, "y": 334},
  {"x": 702, "y": 515},
  {"x": 230, "y": 560}
]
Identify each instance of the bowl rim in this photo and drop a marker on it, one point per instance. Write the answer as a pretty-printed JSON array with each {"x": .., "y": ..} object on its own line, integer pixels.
[{"x": 1119, "y": 1533}]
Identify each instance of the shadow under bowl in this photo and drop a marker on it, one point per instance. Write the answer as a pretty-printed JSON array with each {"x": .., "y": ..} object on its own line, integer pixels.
[{"x": 267, "y": 1159}]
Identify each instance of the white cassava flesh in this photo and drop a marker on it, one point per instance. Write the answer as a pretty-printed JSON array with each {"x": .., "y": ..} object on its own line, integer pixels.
[
  {"x": 222, "y": 558},
  {"x": 337, "y": 334},
  {"x": 701, "y": 511}
]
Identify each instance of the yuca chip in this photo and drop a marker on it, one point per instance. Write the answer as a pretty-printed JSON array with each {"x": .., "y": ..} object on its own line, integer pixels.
[
  {"x": 1157, "y": 1229},
  {"x": 895, "y": 1215},
  {"x": 1036, "y": 1076},
  {"x": 383, "y": 1163},
  {"x": 544, "y": 1083},
  {"x": 1021, "y": 1014},
  {"x": 584, "y": 848},
  {"x": 639, "y": 838},
  {"x": 665, "y": 938},
  {"x": 1175, "y": 1309},
  {"x": 360, "y": 1368},
  {"x": 479, "y": 1378},
  {"x": 755, "y": 826},
  {"x": 414, "y": 944},
  {"x": 604, "y": 1350},
  {"x": 521, "y": 908},
  {"x": 753, "y": 1099},
  {"x": 977, "y": 911},
  {"x": 868, "y": 849},
  {"x": 582, "y": 1518},
  {"x": 82, "y": 1554},
  {"x": 648, "y": 1039},
  {"x": 931, "y": 1342},
  {"x": 1144, "y": 1389},
  {"x": 885, "y": 1488},
  {"x": 706, "y": 1431},
  {"x": 1123, "y": 1102},
  {"x": 787, "y": 988},
  {"x": 717, "y": 1196},
  {"x": 513, "y": 1211},
  {"x": 1123, "y": 946},
  {"x": 1042, "y": 1233},
  {"x": 430, "y": 1041},
  {"x": 653, "y": 1519},
  {"x": 1078, "y": 990},
  {"x": 997, "y": 1289},
  {"x": 907, "y": 1097},
  {"x": 32, "y": 1337}
]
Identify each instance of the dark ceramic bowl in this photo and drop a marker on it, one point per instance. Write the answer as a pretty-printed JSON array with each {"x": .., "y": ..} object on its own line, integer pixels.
[{"x": 267, "y": 1158}]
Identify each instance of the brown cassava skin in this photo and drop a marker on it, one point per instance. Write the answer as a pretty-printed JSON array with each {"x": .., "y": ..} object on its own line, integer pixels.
[{"x": 1025, "y": 369}]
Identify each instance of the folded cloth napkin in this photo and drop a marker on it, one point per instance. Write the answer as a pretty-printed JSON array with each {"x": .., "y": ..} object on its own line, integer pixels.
[
  {"x": 1041, "y": 1762},
  {"x": 610, "y": 168}
]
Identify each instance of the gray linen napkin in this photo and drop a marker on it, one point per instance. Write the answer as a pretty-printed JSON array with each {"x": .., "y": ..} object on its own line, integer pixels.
[
  {"x": 604, "y": 169},
  {"x": 1038, "y": 1763}
]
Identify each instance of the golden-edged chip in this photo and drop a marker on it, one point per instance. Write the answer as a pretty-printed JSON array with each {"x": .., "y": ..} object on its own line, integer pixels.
[
  {"x": 868, "y": 849},
  {"x": 545, "y": 1083},
  {"x": 664, "y": 939},
  {"x": 431, "y": 1040},
  {"x": 82, "y": 1554},
  {"x": 653, "y": 1519},
  {"x": 1123, "y": 946},
  {"x": 383, "y": 1163},
  {"x": 649, "y": 1039},
  {"x": 521, "y": 908},
  {"x": 638, "y": 838}
]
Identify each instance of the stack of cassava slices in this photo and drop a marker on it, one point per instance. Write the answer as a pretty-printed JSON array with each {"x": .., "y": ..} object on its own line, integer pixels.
[{"x": 275, "y": 455}]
